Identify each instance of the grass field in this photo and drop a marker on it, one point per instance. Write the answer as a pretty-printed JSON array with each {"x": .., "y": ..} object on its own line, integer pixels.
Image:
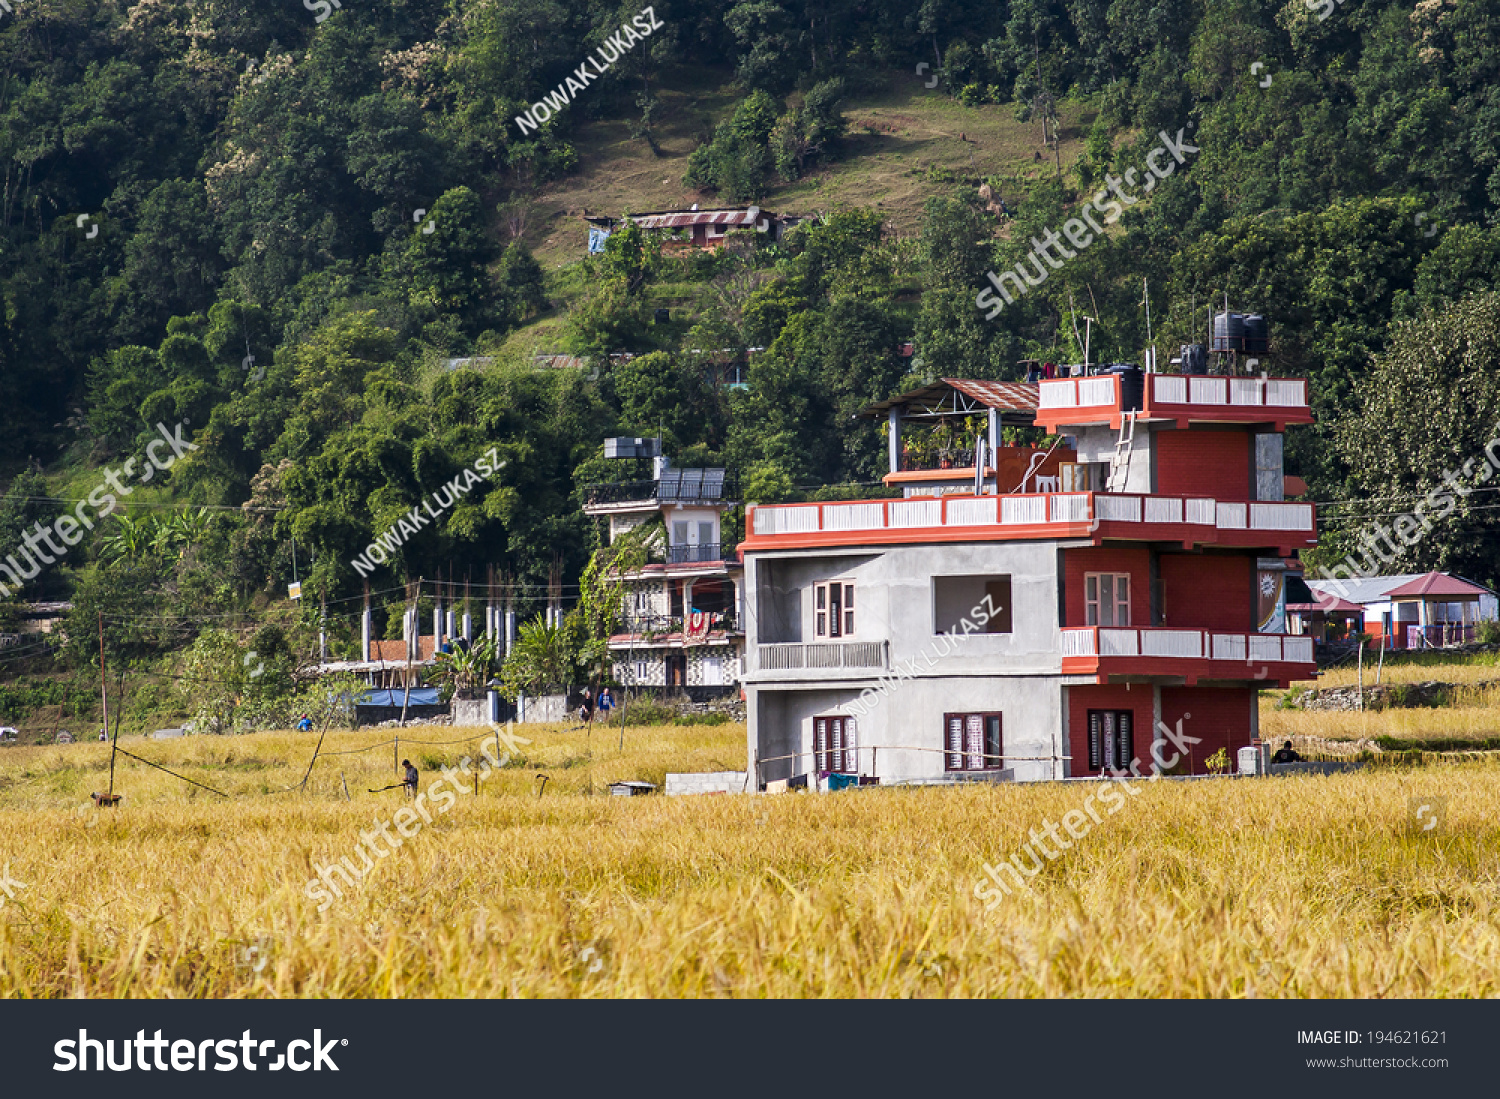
[
  {"x": 903, "y": 145},
  {"x": 1268, "y": 887}
]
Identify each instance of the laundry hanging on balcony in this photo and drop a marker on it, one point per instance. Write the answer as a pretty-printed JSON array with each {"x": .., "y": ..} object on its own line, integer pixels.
[{"x": 698, "y": 623}]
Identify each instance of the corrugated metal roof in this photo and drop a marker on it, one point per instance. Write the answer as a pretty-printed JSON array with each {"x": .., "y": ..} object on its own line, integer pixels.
[
  {"x": 1017, "y": 400},
  {"x": 1435, "y": 584},
  {"x": 1328, "y": 603},
  {"x": 1011, "y": 396},
  {"x": 683, "y": 219},
  {"x": 1370, "y": 589}
]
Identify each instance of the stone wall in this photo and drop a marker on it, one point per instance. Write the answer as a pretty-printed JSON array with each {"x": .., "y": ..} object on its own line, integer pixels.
[{"x": 707, "y": 782}]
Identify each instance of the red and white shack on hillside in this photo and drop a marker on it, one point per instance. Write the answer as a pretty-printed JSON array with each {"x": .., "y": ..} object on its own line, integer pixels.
[{"x": 1033, "y": 613}]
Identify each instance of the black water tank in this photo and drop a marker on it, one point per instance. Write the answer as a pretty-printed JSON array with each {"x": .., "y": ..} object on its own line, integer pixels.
[
  {"x": 663, "y": 316},
  {"x": 1229, "y": 332},
  {"x": 1132, "y": 385},
  {"x": 1257, "y": 335},
  {"x": 1194, "y": 358}
]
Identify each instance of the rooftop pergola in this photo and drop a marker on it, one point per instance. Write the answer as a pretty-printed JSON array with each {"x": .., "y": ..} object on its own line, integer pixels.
[{"x": 1005, "y": 404}]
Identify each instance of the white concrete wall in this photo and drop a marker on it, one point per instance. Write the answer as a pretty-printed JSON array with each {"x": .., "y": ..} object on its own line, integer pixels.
[
  {"x": 901, "y": 709},
  {"x": 1097, "y": 444},
  {"x": 707, "y": 782}
]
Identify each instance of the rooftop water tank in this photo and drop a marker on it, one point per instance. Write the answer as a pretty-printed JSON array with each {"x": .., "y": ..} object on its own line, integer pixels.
[
  {"x": 1194, "y": 358},
  {"x": 1257, "y": 335},
  {"x": 1229, "y": 332}
]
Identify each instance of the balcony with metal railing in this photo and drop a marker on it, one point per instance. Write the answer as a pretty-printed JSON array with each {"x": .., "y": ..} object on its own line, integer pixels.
[
  {"x": 696, "y": 553},
  {"x": 707, "y": 487}
]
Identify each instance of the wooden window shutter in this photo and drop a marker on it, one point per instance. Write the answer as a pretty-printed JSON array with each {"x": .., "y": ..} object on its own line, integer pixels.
[
  {"x": 851, "y": 748},
  {"x": 955, "y": 742},
  {"x": 1096, "y": 748}
]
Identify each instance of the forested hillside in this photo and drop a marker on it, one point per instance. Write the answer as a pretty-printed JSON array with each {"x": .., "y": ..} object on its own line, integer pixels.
[{"x": 274, "y": 225}]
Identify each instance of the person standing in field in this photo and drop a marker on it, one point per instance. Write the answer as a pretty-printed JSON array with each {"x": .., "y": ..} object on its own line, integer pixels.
[
  {"x": 410, "y": 778},
  {"x": 1287, "y": 754},
  {"x": 606, "y": 702}
]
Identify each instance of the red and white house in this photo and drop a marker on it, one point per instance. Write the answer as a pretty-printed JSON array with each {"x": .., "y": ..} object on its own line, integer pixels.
[{"x": 1047, "y": 632}]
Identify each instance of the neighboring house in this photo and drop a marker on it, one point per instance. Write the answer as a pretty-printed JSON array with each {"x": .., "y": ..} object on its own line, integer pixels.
[
  {"x": 1108, "y": 608},
  {"x": 1401, "y": 612},
  {"x": 681, "y": 614},
  {"x": 694, "y": 228}
]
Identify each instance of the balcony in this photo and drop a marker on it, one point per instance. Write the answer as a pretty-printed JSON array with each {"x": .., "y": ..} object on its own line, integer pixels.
[
  {"x": 695, "y": 554},
  {"x": 816, "y": 660},
  {"x": 619, "y": 492},
  {"x": 1185, "y": 398},
  {"x": 710, "y": 487},
  {"x": 1191, "y": 654},
  {"x": 641, "y": 629},
  {"x": 1192, "y": 521}
]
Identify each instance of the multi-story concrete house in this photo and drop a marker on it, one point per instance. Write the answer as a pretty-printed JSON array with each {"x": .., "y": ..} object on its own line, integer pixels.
[
  {"x": 1023, "y": 631},
  {"x": 681, "y": 622}
]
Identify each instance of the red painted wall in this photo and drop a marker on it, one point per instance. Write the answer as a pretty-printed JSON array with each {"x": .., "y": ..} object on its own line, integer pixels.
[
  {"x": 1135, "y": 698},
  {"x": 1207, "y": 591},
  {"x": 1218, "y": 716},
  {"x": 1077, "y": 562},
  {"x": 1203, "y": 463}
]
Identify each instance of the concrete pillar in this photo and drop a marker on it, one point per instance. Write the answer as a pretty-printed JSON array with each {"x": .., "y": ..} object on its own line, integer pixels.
[
  {"x": 995, "y": 445},
  {"x": 365, "y": 625},
  {"x": 893, "y": 440},
  {"x": 1156, "y": 725},
  {"x": 468, "y": 631}
]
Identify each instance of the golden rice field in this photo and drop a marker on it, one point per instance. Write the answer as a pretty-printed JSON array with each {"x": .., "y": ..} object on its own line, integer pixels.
[
  {"x": 1266, "y": 887},
  {"x": 1475, "y": 712}
]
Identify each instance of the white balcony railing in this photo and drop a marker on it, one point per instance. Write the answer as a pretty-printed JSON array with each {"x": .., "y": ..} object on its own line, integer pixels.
[
  {"x": 1238, "y": 648},
  {"x": 1032, "y": 510},
  {"x": 1203, "y": 391},
  {"x": 797, "y": 656}
]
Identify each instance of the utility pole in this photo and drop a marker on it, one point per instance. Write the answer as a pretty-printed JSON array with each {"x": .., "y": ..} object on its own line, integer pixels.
[
  {"x": 104, "y": 694},
  {"x": 413, "y": 595}
]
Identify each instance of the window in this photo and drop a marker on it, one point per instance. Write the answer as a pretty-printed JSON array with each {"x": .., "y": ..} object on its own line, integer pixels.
[
  {"x": 833, "y": 610},
  {"x": 1107, "y": 595},
  {"x": 713, "y": 671},
  {"x": 642, "y": 671},
  {"x": 834, "y": 748},
  {"x": 679, "y": 533},
  {"x": 978, "y": 599},
  {"x": 1110, "y": 747},
  {"x": 705, "y": 534},
  {"x": 973, "y": 742}
]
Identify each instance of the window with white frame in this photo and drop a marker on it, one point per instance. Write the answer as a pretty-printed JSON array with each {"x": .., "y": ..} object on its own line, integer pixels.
[
  {"x": 1107, "y": 598},
  {"x": 834, "y": 747},
  {"x": 833, "y": 609},
  {"x": 972, "y": 742},
  {"x": 642, "y": 671},
  {"x": 713, "y": 671}
]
